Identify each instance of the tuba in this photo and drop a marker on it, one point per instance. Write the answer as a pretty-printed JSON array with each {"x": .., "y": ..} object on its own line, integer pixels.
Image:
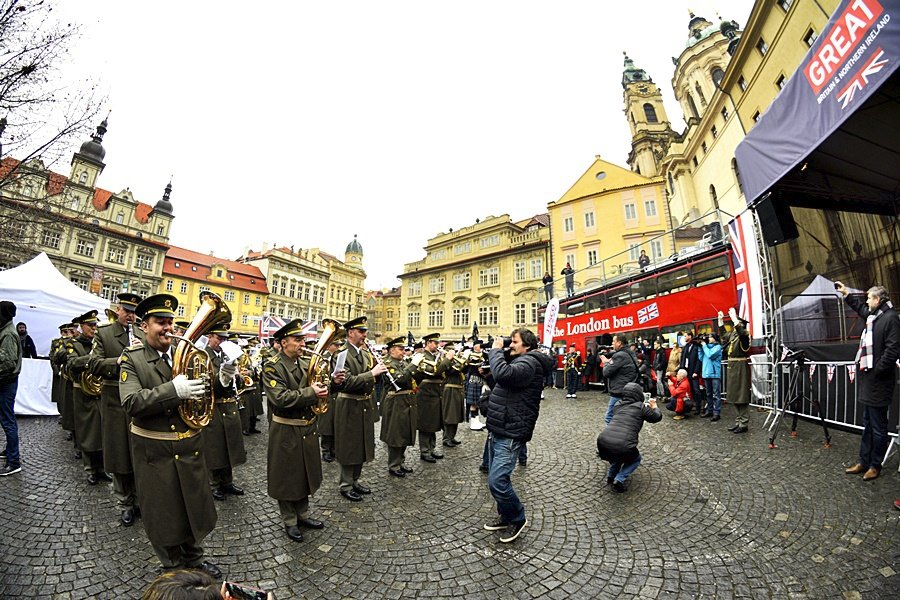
[
  {"x": 92, "y": 385},
  {"x": 194, "y": 363},
  {"x": 319, "y": 368}
]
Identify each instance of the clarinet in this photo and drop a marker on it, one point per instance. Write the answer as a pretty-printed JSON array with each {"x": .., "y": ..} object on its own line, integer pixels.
[{"x": 378, "y": 360}]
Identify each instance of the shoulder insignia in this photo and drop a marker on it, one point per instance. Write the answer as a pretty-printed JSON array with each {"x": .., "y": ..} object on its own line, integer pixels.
[
  {"x": 392, "y": 370},
  {"x": 124, "y": 375},
  {"x": 272, "y": 383},
  {"x": 70, "y": 349},
  {"x": 134, "y": 347}
]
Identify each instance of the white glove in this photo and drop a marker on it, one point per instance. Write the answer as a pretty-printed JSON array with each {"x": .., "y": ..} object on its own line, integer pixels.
[
  {"x": 188, "y": 388},
  {"x": 226, "y": 374},
  {"x": 721, "y": 319},
  {"x": 733, "y": 314}
]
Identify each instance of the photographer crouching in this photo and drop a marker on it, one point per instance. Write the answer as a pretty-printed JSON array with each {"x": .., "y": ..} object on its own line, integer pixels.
[{"x": 512, "y": 413}]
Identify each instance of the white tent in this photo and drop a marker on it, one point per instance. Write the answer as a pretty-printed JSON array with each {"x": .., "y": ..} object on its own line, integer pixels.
[
  {"x": 813, "y": 315},
  {"x": 45, "y": 299}
]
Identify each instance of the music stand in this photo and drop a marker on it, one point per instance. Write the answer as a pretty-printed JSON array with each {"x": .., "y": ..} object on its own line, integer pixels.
[{"x": 794, "y": 399}]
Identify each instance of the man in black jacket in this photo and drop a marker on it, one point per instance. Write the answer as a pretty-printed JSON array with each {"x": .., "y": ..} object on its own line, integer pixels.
[
  {"x": 620, "y": 369},
  {"x": 618, "y": 442},
  {"x": 512, "y": 412},
  {"x": 879, "y": 348},
  {"x": 693, "y": 364}
]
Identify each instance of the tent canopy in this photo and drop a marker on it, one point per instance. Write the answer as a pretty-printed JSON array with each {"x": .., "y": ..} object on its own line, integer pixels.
[
  {"x": 831, "y": 138},
  {"x": 45, "y": 299}
]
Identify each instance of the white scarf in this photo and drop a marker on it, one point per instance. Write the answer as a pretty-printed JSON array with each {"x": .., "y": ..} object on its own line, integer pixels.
[{"x": 865, "y": 357}]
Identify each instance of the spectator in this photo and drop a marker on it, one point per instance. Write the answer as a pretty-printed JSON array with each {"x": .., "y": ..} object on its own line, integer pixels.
[
  {"x": 10, "y": 366},
  {"x": 618, "y": 442},
  {"x": 879, "y": 348},
  {"x": 645, "y": 379},
  {"x": 184, "y": 584},
  {"x": 28, "y": 349},
  {"x": 512, "y": 413},
  {"x": 590, "y": 367},
  {"x": 680, "y": 391},
  {"x": 690, "y": 361},
  {"x": 659, "y": 368},
  {"x": 620, "y": 369},
  {"x": 548, "y": 286},
  {"x": 643, "y": 260},
  {"x": 711, "y": 352},
  {"x": 569, "y": 272}
]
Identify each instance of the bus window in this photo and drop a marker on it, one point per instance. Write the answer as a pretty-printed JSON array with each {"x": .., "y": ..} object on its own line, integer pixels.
[
  {"x": 619, "y": 296},
  {"x": 672, "y": 332},
  {"x": 643, "y": 290},
  {"x": 592, "y": 303},
  {"x": 673, "y": 281},
  {"x": 574, "y": 309},
  {"x": 710, "y": 271}
]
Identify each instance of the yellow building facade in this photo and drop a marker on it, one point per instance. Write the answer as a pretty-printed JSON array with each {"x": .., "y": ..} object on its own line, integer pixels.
[
  {"x": 383, "y": 312},
  {"x": 604, "y": 220},
  {"x": 346, "y": 283},
  {"x": 487, "y": 273},
  {"x": 242, "y": 287},
  {"x": 298, "y": 282}
]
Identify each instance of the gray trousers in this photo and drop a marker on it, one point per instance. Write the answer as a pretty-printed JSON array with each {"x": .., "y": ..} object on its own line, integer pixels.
[
  {"x": 427, "y": 442},
  {"x": 349, "y": 475},
  {"x": 450, "y": 431},
  {"x": 188, "y": 554},
  {"x": 396, "y": 456},
  {"x": 742, "y": 417},
  {"x": 291, "y": 510},
  {"x": 124, "y": 490},
  {"x": 92, "y": 461},
  {"x": 220, "y": 477}
]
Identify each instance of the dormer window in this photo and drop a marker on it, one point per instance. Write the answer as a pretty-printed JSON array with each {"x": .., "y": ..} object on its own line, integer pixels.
[
  {"x": 74, "y": 204},
  {"x": 120, "y": 218},
  {"x": 83, "y": 177}
]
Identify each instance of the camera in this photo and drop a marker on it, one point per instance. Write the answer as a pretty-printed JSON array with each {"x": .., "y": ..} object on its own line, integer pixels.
[
  {"x": 243, "y": 592},
  {"x": 506, "y": 342}
]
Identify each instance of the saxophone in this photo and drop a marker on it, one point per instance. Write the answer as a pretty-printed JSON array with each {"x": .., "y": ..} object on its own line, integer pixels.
[
  {"x": 194, "y": 363},
  {"x": 319, "y": 368}
]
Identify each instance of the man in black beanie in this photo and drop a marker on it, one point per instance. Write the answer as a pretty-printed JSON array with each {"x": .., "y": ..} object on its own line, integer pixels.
[{"x": 10, "y": 366}]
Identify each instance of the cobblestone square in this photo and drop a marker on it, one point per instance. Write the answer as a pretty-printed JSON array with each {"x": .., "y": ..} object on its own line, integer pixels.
[{"x": 708, "y": 514}]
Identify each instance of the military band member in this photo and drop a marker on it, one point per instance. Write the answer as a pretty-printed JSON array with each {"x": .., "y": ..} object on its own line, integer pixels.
[
  {"x": 109, "y": 342},
  {"x": 179, "y": 327},
  {"x": 250, "y": 395},
  {"x": 326, "y": 420},
  {"x": 572, "y": 372},
  {"x": 474, "y": 383},
  {"x": 453, "y": 401},
  {"x": 399, "y": 409},
  {"x": 66, "y": 410},
  {"x": 86, "y": 405},
  {"x": 223, "y": 439},
  {"x": 56, "y": 386},
  {"x": 430, "y": 395},
  {"x": 169, "y": 463},
  {"x": 738, "y": 379},
  {"x": 293, "y": 467},
  {"x": 354, "y": 427}
]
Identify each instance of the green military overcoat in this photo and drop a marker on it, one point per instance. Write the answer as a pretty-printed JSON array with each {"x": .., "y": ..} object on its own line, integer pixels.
[
  {"x": 294, "y": 466},
  {"x": 737, "y": 343},
  {"x": 354, "y": 427},
  {"x": 171, "y": 476},
  {"x": 399, "y": 410},
  {"x": 431, "y": 396},
  {"x": 223, "y": 438},
  {"x": 61, "y": 357},
  {"x": 453, "y": 401},
  {"x": 57, "y": 388},
  {"x": 85, "y": 408}
]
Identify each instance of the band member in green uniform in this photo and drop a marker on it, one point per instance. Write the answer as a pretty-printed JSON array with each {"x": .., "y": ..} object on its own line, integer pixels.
[
  {"x": 453, "y": 401},
  {"x": 354, "y": 428},
  {"x": 249, "y": 387},
  {"x": 85, "y": 402},
  {"x": 223, "y": 439},
  {"x": 430, "y": 395},
  {"x": 737, "y": 341},
  {"x": 399, "y": 408},
  {"x": 294, "y": 468},
  {"x": 109, "y": 342},
  {"x": 66, "y": 410},
  {"x": 325, "y": 421},
  {"x": 169, "y": 464}
]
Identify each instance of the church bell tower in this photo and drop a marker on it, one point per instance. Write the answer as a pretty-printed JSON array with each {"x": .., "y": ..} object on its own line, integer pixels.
[{"x": 651, "y": 132}]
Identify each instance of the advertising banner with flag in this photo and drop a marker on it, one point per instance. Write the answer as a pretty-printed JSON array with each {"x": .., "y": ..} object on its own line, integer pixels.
[
  {"x": 550, "y": 315},
  {"x": 268, "y": 325},
  {"x": 746, "y": 272}
]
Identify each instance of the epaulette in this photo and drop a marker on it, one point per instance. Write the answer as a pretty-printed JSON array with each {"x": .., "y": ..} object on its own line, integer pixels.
[
  {"x": 272, "y": 360},
  {"x": 102, "y": 325},
  {"x": 133, "y": 347}
]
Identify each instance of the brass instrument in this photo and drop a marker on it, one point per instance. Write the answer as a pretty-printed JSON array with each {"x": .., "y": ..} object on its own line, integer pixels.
[
  {"x": 243, "y": 363},
  {"x": 112, "y": 315},
  {"x": 476, "y": 358},
  {"x": 194, "y": 363},
  {"x": 92, "y": 385},
  {"x": 319, "y": 368},
  {"x": 461, "y": 359}
]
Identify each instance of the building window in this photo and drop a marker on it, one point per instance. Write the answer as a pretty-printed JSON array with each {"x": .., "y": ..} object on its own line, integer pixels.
[
  {"x": 519, "y": 314},
  {"x": 412, "y": 320},
  {"x": 650, "y": 113},
  {"x": 203, "y": 288},
  {"x": 634, "y": 251},
  {"x": 436, "y": 285},
  {"x": 435, "y": 319},
  {"x": 107, "y": 292},
  {"x": 703, "y": 147},
  {"x": 714, "y": 131},
  {"x": 717, "y": 76},
  {"x": 589, "y": 220},
  {"x": 462, "y": 248},
  {"x": 415, "y": 288},
  {"x": 534, "y": 312},
  {"x": 489, "y": 277},
  {"x": 283, "y": 287},
  {"x": 762, "y": 46},
  {"x": 755, "y": 117},
  {"x": 247, "y": 299},
  {"x": 144, "y": 261},
  {"x": 785, "y": 4},
  {"x": 714, "y": 197},
  {"x": 183, "y": 288},
  {"x": 228, "y": 296},
  {"x": 671, "y": 184},
  {"x": 779, "y": 83},
  {"x": 811, "y": 36},
  {"x": 630, "y": 212},
  {"x": 519, "y": 272},
  {"x": 170, "y": 285},
  {"x": 570, "y": 260},
  {"x": 725, "y": 113},
  {"x": 243, "y": 319},
  {"x": 650, "y": 208},
  {"x": 537, "y": 268},
  {"x": 460, "y": 317},
  {"x": 181, "y": 310},
  {"x": 694, "y": 161},
  {"x": 258, "y": 301},
  {"x": 656, "y": 248},
  {"x": 160, "y": 230},
  {"x": 491, "y": 240},
  {"x": 461, "y": 281},
  {"x": 293, "y": 289},
  {"x": 82, "y": 283},
  {"x": 568, "y": 224},
  {"x": 592, "y": 258},
  {"x": 120, "y": 218},
  {"x": 742, "y": 83},
  {"x": 84, "y": 248},
  {"x": 219, "y": 273},
  {"x": 439, "y": 254},
  {"x": 50, "y": 239},
  {"x": 488, "y": 315},
  {"x": 737, "y": 174},
  {"x": 116, "y": 255}
]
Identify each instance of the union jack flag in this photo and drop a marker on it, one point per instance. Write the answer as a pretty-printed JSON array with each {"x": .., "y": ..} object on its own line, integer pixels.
[
  {"x": 875, "y": 64},
  {"x": 268, "y": 326},
  {"x": 648, "y": 313},
  {"x": 746, "y": 271},
  {"x": 310, "y": 328}
]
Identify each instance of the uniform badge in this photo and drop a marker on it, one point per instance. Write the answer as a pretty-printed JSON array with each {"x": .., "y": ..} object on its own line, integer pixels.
[
  {"x": 124, "y": 375},
  {"x": 273, "y": 383}
]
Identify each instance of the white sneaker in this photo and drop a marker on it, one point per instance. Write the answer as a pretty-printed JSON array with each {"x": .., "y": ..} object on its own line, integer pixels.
[{"x": 476, "y": 425}]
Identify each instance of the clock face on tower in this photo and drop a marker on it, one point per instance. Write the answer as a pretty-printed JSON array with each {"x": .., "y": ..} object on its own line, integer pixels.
[{"x": 642, "y": 89}]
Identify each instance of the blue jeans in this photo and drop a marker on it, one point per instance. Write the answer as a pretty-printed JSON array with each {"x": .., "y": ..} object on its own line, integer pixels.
[
  {"x": 874, "y": 441},
  {"x": 609, "y": 409},
  {"x": 8, "y": 421},
  {"x": 713, "y": 395},
  {"x": 622, "y": 471},
  {"x": 571, "y": 381},
  {"x": 503, "y": 454}
]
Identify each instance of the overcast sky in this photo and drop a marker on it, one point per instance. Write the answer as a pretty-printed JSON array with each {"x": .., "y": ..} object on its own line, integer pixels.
[{"x": 305, "y": 123}]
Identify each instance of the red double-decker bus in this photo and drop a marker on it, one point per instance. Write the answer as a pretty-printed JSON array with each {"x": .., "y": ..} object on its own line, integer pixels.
[{"x": 684, "y": 294}]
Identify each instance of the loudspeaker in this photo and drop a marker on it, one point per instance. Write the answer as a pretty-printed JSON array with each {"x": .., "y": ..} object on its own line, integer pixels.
[{"x": 776, "y": 221}]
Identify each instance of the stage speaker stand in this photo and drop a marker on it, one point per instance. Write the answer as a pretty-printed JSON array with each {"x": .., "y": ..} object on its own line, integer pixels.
[{"x": 776, "y": 220}]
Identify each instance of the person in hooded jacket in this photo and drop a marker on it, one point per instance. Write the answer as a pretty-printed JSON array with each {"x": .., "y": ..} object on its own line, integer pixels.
[
  {"x": 620, "y": 369},
  {"x": 711, "y": 354},
  {"x": 618, "y": 442},
  {"x": 512, "y": 412}
]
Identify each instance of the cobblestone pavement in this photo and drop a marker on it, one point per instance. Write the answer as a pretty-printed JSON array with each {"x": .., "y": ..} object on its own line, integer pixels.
[{"x": 709, "y": 514}]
